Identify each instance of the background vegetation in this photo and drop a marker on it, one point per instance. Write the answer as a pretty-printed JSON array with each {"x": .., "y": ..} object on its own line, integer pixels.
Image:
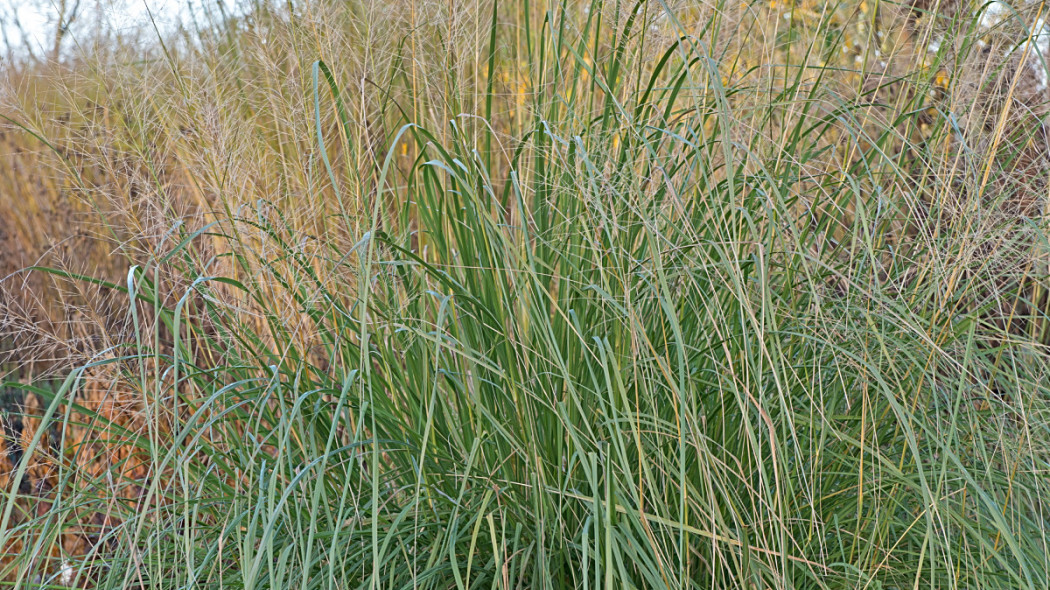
[{"x": 530, "y": 295}]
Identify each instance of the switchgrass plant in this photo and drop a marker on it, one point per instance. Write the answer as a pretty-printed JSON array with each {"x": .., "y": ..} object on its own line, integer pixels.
[{"x": 647, "y": 322}]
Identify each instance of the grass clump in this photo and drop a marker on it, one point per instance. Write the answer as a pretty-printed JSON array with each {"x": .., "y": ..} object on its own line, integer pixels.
[{"x": 585, "y": 306}]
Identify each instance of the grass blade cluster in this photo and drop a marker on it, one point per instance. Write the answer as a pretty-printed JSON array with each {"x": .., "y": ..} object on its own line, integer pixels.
[{"x": 666, "y": 326}]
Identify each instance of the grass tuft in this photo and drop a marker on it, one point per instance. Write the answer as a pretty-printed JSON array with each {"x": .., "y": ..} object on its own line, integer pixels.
[{"x": 539, "y": 295}]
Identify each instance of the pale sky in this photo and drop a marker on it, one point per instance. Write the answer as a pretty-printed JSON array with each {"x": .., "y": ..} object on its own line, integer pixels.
[{"x": 37, "y": 17}]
